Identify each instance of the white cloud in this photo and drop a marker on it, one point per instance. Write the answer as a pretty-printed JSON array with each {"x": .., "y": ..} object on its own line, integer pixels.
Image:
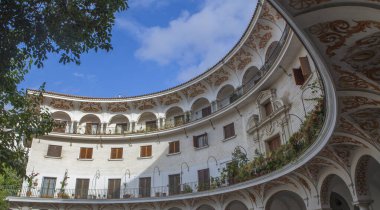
[
  {"x": 89, "y": 77},
  {"x": 194, "y": 42}
]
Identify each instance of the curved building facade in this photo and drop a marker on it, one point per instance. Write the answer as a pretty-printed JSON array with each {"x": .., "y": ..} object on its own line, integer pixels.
[{"x": 287, "y": 120}]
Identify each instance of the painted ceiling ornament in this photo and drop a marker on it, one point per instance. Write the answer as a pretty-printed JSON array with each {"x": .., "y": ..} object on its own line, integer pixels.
[
  {"x": 218, "y": 77},
  {"x": 348, "y": 80},
  {"x": 303, "y": 182},
  {"x": 347, "y": 126},
  {"x": 305, "y": 4},
  {"x": 364, "y": 56},
  {"x": 353, "y": 102},
  {"x": 335, "y": 33},
  {"x": 61, "y": 104},
  {"x": 90, "y": 107},
  {"x": 145, "y": 104},
  {"x": 269, "y": 13},
  {"x": 170, "y": 99},
  {"x": 118, "y": 107},
  {"x": 261, "y": 34},
  {"x": 194, "y": 90},
  {"x": 369, "y": 120},
  {"x": 240, "y": 60},
  {"x": 344, "y": 140}
]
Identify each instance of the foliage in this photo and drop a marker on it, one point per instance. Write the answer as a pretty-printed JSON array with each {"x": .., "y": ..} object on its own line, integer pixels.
[
  {"x": 31, "y": 181},
  {"x": 29, "y": 32},
  {"x": 240, "y": 169},
  {"x": 10, "y": 183},
  {"x": 187, "y": 189},
  {"x": 62, "y": 193}
]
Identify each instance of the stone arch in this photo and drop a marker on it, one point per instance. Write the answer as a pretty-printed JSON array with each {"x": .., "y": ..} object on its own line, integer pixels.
[
  {"x": 236, "y": 205},
  {"x": 200, "y": 108},
  {"x": 250, "y": 77},
  {"x": 62, "y": 121},
  {"x": 118, "y": 124},
  {"x": 89, "y": 124},
  {"x": 332, "y": 190},
  {"x": 225, "y": 96},
  {"x": 61, "y": 115},
  {"x": 147, "y": 121},
  {"x": 367, "y": 183},
  {"x": 174, "y": 116},
  {"x": 205, "y": 207},
  {"x": 285, "y": 200}
]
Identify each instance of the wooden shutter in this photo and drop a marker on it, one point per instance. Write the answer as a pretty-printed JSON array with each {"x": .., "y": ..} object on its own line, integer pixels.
[
  {"x": 81, "y": 188},
  {"x": 144, "y": 187},
  {"x": 305, "y": 66},
  {"x": 173, "y": 147},
  {"x": 229, "y": 130},
  {"x": 89, "y": 153},
  {"x": 298, "y": 76},
  {"x": 203, "y": 179},
  {"x": 116, "y": 153},
  {"x": 274, "y": 143},
  {"x": 206, "y": 111},
  {"x": 82, "y": 154},
  {"x": 195, "y": 141},
  {"x": 146, "y": 151},
  {"x": 114, "y": 188},
  {"x": 174, "y": 184},
  {"x": 54, "y": 151}
]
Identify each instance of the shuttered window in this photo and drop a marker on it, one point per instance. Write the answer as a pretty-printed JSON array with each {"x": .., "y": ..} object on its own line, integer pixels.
[
  {"x": 298, "y": 76},
  {"x": 200, "y": 141},
  {"x": 229, "y": 130},
  {"x": 113, "y": 188},
  {"x": 116, "y": 153},
  {"x": 81, "y": 188},
  {"x": 203, "y": 179},
  {"x": 54, "y": 151},
  {"x": 146, "y": 151},
  {"x": 305, "y": 67},
  {"x": 206, "y": 111},
  {"x": 85, "y": 153},
  {"x": 174, "y": 147}
]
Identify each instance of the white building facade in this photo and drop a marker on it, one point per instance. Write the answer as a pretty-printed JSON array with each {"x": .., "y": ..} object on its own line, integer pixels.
[{"x": 165, "y": 150}]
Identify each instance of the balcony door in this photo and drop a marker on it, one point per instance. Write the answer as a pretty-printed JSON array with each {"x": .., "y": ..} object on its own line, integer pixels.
[
  {"x": 81, "y": 188},
  {"x": 48, "y": 187},
  {"x": 144, "y": 187},
  {"x": 174, "y": 184}
]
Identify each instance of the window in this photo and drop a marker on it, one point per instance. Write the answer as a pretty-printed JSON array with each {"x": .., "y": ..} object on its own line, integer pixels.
[
  {"x": 91, "y": 128},
  {"x": 229, "y": 131},
  {"x": 54, "y": 151},
  {"x": 174, "y": 184},
  {"x": 268, "y": 108},
  {"x": 200, "y": 141},
  {"x": 146, "y": 151},
  {"x": 173, "y": 147},
  {"x": 151, "y": 125},
  {"x": 144, "y": 187},
  {"x": 85, "y": 153},
  {"x": 121, "y": 128},
  {"x": 113, "y": 188},
  {"x": 81, "y": 188},
  {"x": 274, "y": 143},
  {"x": 203, "y": 179},
  {"x": 206, "y": 111},
  {"x": 48, "y": 187},
  {"x": 116, "y": 153},
  {"x": 303, "y": 72}
]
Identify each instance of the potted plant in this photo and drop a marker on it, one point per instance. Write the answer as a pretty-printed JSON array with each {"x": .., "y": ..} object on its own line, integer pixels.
[
  {"x": 61, "y": 193},
  {"x": 32, "y": 183},
  {"x": 186, "y": 189}
]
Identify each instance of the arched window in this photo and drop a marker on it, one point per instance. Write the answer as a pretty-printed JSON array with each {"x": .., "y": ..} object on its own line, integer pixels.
[
  {"x": 89, "y": 124},
  {"x": 174, "y": 117},
  {"x": 147, "y": 122},
  {"x": 119, "y": 124},
  {"x": 225, "y": 96},
  {"x": 200, "y": 108}
]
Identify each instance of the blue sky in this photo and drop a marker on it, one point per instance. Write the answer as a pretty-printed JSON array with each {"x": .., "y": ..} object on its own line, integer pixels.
[{"x": 157, "y": 44}]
